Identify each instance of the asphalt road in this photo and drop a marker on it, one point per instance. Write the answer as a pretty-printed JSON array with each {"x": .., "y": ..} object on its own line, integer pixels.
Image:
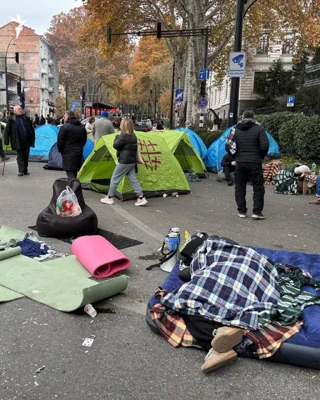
[{"x": 126, "y": 360}]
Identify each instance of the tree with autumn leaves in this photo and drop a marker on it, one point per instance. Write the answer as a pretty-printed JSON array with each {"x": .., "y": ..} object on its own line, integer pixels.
[{"x": 300, "y": 16}]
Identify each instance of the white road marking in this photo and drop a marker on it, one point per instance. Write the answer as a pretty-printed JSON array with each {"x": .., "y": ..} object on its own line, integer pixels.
[{"x": 135, "y": 221}]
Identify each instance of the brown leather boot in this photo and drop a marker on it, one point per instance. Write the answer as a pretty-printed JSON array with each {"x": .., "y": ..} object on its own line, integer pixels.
[
  {"x": 216, "y": 360},
  {"x": 226, "y": 338}
]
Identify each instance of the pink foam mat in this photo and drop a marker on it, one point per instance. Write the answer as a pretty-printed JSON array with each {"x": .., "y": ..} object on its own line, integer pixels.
[{"x": 99, "y": 256}]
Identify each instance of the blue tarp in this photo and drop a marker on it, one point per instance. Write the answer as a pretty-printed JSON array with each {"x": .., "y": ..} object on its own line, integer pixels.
[
  {"x": 46, "y": 137},
  {"x": 196, "y": 141},
  {"x": 217, "y": 151}
]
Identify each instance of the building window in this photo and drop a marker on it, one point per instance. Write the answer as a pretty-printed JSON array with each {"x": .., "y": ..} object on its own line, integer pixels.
[
  {"x": 264, "y": 44},
  {"x": 259, "y": 81}
]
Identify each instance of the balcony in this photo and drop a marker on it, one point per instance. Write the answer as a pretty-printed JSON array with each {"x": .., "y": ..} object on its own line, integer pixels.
[
  {"x": 44, "y": 72},
  {"x": 50, "y": 76},
  {"x": 50, "y": 89},
  {"x": 44, "y": 86}
]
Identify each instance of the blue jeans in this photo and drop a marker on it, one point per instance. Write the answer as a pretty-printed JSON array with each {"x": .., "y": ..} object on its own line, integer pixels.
[
  {"x": 318, "y": 186},
  {"x": 119, "y": 172}
]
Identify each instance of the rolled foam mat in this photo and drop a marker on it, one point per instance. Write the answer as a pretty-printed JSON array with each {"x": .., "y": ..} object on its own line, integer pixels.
[
  {"x": 14, "y": 251},
  {"x": 99, "y": 256}
]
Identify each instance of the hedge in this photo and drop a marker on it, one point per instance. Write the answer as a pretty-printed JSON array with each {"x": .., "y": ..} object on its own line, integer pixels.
[
  {"x": 209, "y": 137},
  {"x": 273, "y": 122}
]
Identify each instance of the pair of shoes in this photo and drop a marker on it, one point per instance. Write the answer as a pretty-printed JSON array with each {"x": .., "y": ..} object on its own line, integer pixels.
[
  {"x": 242, "y": 215},
  {"x": 20, "y": 174},
  {"x": 215, "y": 360},
  {"x": 107, "y": 200},
  {"x": 230, "y": 182},
  {"x": 226, "y": 338},
  {"x": 5, "y": 158},
  {"x": 26, "y": 173},
  {"x": 258, "y": 216},
  {"x": 141, "y": 202},
  {"x": 317, "y": 201}
]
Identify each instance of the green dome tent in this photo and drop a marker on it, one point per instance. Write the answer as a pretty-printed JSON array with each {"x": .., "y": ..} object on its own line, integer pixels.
[
  {"x": 163, "y": 173},
  {"x": 182, "y": 148}
]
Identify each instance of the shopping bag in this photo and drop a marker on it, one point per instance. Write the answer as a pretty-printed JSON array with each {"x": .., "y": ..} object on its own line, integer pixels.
[{"x": 67, "y": 204}]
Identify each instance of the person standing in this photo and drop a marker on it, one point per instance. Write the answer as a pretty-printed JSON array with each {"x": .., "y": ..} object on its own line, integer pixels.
[
  {"x": 72, "y": 137},
  {"x": 89, "y": 126},
  {"x": 20, "y": 133},
  {"x": 126, "y": 145},
  {"x": 102, "y": 126},
  {"x": 249, "y": 143}
]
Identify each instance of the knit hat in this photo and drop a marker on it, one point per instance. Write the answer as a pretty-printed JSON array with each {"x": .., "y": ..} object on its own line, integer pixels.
[
  {"x": 302, "y": 169},
  {"x": 104, "y": 114}
]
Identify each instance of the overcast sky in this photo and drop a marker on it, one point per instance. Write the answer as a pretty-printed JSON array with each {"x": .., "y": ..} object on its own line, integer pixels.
[{"x": 37, "y": 13}]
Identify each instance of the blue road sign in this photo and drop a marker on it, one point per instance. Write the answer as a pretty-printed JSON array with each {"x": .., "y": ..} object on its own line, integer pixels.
[
  {"x": 290, "y": 101},
  {"x": 204, "y": 74},
  {"x": 179, "y": 97},
  {"x": 202, "y": 102}
]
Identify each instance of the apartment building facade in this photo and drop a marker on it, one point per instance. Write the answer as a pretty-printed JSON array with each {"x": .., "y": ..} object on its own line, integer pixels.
[
  {"x": 261, "y": 60},
  {"x": 37, "y": 70}
]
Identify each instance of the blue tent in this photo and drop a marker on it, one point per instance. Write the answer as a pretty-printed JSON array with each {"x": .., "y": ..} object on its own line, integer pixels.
[
  {"x": 55, "y": 158},
  {"x": 88, "y": 148},
  {"x": 46, "y": 137},
  {"x": 196, "y": 141},
  {"x": 217, "y": 151}
]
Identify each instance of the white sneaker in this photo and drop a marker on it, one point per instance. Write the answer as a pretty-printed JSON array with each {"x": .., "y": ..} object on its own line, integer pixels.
[
  {"x": 141, "y": 202},
  {"x": 107, "y": 200},
  {"x": 242, "y": 215}
]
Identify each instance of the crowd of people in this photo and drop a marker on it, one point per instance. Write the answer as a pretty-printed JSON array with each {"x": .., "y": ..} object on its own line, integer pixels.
[{"x": 247, "y": 145}]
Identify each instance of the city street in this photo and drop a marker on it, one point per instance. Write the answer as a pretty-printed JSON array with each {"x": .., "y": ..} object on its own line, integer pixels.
[{"x": 127, "y": 360}]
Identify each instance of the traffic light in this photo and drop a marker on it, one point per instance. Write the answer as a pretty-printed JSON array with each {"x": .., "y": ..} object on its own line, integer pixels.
[
  {"x": 159, "y": 33},
  {"x": 203, "y": 89},
  {"x": 109, "y": 34},
  {"x": 17, "y": 57},
  {"x": 19, "y": 87}
]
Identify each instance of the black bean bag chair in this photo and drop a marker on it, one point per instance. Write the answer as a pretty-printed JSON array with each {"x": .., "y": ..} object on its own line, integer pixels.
[{"x": 52, "y": 225}]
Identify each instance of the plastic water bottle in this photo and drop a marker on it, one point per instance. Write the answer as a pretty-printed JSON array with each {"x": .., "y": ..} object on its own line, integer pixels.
[{"x": 173, "y": 239}]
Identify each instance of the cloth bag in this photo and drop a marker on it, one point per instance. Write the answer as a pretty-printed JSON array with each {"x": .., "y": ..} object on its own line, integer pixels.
[{"x": 68, "y": 204}]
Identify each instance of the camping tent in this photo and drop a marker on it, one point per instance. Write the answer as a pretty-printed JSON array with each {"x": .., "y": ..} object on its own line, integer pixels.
[
  {"x": 162, "y": 174},
  {"x": 181, "y": 146},
  {"x": 55, "y": 158},
  {"x": 196, "y": 141},
  {"x": 217, "y": 151},
  {"x": 46, "y": 137}
]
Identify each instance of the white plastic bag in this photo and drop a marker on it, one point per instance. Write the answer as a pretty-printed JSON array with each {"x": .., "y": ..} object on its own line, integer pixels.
[{"x": 67, "y": 204}]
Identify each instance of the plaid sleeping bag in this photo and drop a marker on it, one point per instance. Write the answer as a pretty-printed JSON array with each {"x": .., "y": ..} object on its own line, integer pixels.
[{"x": 229, "y": 284}]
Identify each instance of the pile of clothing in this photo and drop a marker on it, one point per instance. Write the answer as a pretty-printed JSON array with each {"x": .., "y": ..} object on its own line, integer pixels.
[
  {"x": 270, "y": 171},
  {"x": 31, "y": 247},
  {"x": 234, "y": 298}
]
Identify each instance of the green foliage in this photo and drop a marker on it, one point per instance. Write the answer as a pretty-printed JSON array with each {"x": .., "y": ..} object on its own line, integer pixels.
[
  {"x": 209, "y": 137},
  {"x": 274, "y": 84},
  {"x": 308, "y": 138},
  {"x": 300, "y": 61},
  {"x": 273, "y": 122},
  {"x": 288, "y": 135}
]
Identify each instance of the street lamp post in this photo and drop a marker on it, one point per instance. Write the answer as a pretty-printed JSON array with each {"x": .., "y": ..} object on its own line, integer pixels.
[
  {"x": 235, "y": 82},
  {"x": 6, "y": 75}
]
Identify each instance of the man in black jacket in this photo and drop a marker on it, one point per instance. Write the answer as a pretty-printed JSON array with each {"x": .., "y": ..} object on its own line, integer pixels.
[
  {"x": 251, "y": 146},
  {"x": 71, "y": 139},
  {"x": 20, "y": 133}
]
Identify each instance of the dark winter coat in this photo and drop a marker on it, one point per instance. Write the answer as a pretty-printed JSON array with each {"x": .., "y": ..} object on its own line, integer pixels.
[
  {"x": 11, "y": 133},
  {"x": 126, "y": 146},
  {"x": 226, "y": 162},
  {"x": 71, "y": 139},
  {"x": 252, "y": 142}
]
